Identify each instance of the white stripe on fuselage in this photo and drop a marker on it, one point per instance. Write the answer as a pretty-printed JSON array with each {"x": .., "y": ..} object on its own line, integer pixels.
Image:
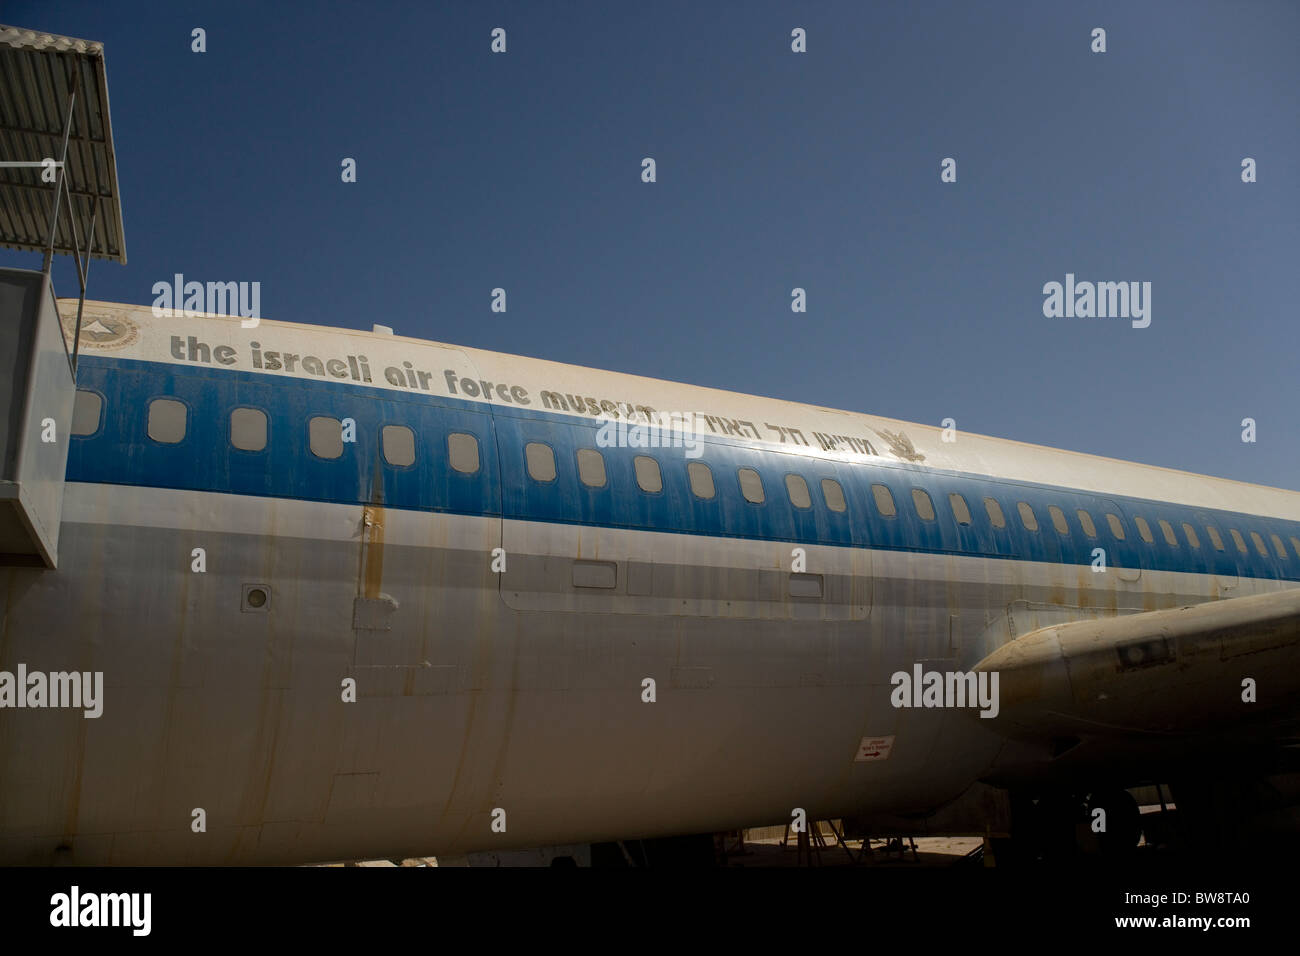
[{"x": 199, "y": 511}]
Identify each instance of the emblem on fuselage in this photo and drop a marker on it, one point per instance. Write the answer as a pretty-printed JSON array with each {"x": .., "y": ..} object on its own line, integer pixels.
[
  {"x": 900, "y": 446},
  {"x": 102, "y": 329}
]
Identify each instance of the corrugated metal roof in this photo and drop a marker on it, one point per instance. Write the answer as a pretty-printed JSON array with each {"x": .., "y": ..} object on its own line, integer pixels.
[{"x": 37, "y": 74}]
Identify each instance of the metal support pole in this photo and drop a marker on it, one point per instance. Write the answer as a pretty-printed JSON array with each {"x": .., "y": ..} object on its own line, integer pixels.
[
  {"x": 62, "y": 172},
  {"x": 81, "y": 301},
  {"x": 76, "y": 243}
]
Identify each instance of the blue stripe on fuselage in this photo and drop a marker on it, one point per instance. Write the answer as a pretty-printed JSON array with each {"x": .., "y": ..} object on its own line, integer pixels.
[{"x": 121, "y": 452}]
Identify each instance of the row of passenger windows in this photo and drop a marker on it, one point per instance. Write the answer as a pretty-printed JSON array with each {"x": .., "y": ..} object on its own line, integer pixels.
[
  {"x": 540, "y": 459},
  {"x": 884, "y": 500},
  {"x": 591, "y": 470},
  {"x": 167, "y": 419}
]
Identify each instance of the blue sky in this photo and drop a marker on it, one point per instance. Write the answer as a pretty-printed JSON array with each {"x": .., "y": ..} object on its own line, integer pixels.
[{"x": 775, "y": 170}]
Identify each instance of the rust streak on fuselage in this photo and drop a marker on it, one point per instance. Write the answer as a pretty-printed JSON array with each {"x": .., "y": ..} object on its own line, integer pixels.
[{"x": 372, "y": 550}]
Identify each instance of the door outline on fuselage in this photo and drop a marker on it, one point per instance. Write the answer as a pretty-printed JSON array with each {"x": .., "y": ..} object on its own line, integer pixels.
[
  {"x": 1129, "y": 575},
  {"x": 1227, "y": 582}
]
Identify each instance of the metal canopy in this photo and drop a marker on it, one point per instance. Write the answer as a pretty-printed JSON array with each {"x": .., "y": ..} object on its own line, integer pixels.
[{"x": 54, "y": 105}]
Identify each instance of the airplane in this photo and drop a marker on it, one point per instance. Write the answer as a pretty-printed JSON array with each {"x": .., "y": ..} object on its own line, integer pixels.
[{"x": 354, "y": 595}]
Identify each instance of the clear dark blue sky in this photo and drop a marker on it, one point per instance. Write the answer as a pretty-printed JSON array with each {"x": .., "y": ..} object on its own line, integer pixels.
[{"x": 775, "y": 170}]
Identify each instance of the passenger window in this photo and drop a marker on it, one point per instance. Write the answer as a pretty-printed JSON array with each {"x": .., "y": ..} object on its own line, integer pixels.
[
  {"x": 1278, "y": 546},
  {"x": 960, "y": 510},
  {"x": 797, "y": 489},
  {"x": 167, "y": 420},
  {"x": 1295, "y": 544},
  {"x": 1238, "y": 540},
  {"x": 1215, "y": 540},
  {"x": 1085, "y": 520},
  {"x": 701, "y": 479},
  {"x": 1260, "y": 546},
  {"x": 1116, "y": 526},
  {"x": 1168, "y": 531},
  {"x": 924, "y": 506},
  {"x": 1144, "y": 529},
  {"x": 1190, "y": 532},
  {"x": 399, "y": 445},
  {"x": 541, "y": 461},
  {"x": 462, "y": 451},
  {"x": 995, "y": 513},
  {"x": 751, "y": 486},
  {"x": 86, "y": 411},
  {"x": 884, "y": 501},
  {"x": 325, "y": 436},
  {"x": 591, "y": 467},
  {"x": 834, "y": 495},
  {"x": 1027, "y": 516},
  {"x": 1058, "y": 519},
  {"x": 248, "y": 429},
  {"x": 648, "y": 477}
]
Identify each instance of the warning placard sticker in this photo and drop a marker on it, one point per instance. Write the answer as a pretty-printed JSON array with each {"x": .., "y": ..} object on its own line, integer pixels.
[{"x": 874, "y": 748}]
